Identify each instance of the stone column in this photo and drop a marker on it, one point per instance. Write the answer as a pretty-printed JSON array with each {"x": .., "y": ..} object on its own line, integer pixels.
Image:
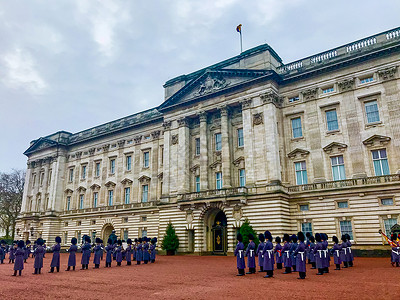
[
  {"x": 226, "y": 151},
  {"x": 56, "y": 192},
  {"x": 248, "y": 142},
  {"x": 155, "y": 135},
  {"x": 203, "y": 152},
  {"x": 28, "y": 184},
  {"x": 166, "y": 159},
  {"x": 183, "y": 156}
]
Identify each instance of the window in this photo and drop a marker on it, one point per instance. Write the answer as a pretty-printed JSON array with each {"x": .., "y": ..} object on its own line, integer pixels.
[
  {"x": 95, "y": 199},
  {"x": 306, "y": 227},
  {"x": 304, "y": 207},
  {"x": 197, "y": 141},
  {"x": 112, "y": 166},
  {"x": 71, "y": 175},
  {"x": 143, "y": 219},
  {"x": 338, "y": 171},
  {"x": 218, "y": 142},
  {"x": 145, "y": 193},
  {"x": 345, "y": 227},
  {"x": 129, "y": 163},
  {"x": 78, "y": 223},
  {"x": 240, "y": 137},
  {"x": 301, "y": 172},
  {"x": 79, "y": 237},
  {"x": 296, "y": 128},
  {"x": 387, "y": 201},
  {"x": 69, "y": 203},
  {"x": 34, "y": 181},
  {"x": 388, "y": 225},
  {"x": 126, "y": 234},
  {"x": 162, "y": 155},
  {"x": 93, "y": 222},
  {"x": 110, "y": 197},
  {"x": 372, "y": 111},
  {"x": 331, "y": 120},
  {"x": 127, "y": 195},
  {"x": 124, "y": 220},
  {"x": 342, "y": 204},
  {"x": 146, "y": 158},
  {"x": 93, "y": 236},
  {"x": 83, "y": 172},
  {"x": 379, "y": 159},
  {"x": 328, "y": 90},
  {"x": 197, "y": 179},
  {"x": 367, "y": 79},
  {"x": 97, "y": 169},
  {"x": 41, "y": 178},
  {"x": 242, "y": 177},
  {"x": 218, "y": 177},
  {"x": 81, "y": 198},
  {"x": 144, "y": 232},
  {"x": 294, "y": 99},
  {"x": 49, "y": 178},
  {"x": 65, "y": 237}
]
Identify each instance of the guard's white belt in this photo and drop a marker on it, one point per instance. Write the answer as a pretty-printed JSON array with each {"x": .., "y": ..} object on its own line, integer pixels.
[
  {"x": 325, "y": 252},
  {"x": 251, "y": 252},
  {"x": 337, "y": 253},
  {"x": 349, "y": 249},
  {"x": 320, "y": 251},
  {"x": 398, "y": 253},
  {"x": 287, "y": 252},
  {"x": 269, "y": 253},
  {"x": 302, "y": 255},
  {"x": 240, "y": 253}
]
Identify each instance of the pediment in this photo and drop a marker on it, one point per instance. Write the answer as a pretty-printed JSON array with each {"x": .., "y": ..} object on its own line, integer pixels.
[
  {"x": 212, "y": 83},
  {"x": 298, "y": 153},
  {"x": 335, "y": 147},
  {"x": 126, "y": 181},
  {"x": 110, "y": 184},
  {"x": 68, "y": 191},
  {"x": 81, "y": 189},
  {"x": 144, "y": 179},
  {"x": 216, "y": 164},
  {"x": 376, "y": 140},
  {"x": 95, "y": 186},
  {"x": 39, "y": 144},
  {"x": 239, "y": 162},
  {"x": 195, "y": 168}
]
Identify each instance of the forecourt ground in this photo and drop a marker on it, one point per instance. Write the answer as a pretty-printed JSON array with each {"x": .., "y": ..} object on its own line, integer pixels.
[{"x": 198, "y": 277}]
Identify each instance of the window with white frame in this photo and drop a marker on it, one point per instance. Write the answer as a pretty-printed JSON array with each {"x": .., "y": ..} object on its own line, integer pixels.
[
  {"x": 346, "y": 228},
  {"x": 342, "y": 204},
  {"x": 128, "y": 164},
  {"x": 146, "y": 159},
  {"x": 110, "y": 197},
  {"x": 218, "y": 142},
  {"x": 306, "y": 227},
  {"x": 372, "y": 111},
  {"x": 387, "y": 201},
  {"x": 69, "y": 203},
  {"x": 144, "y": 232},
  {"x": 240, "y": 137},
  {"x": 301, "y": 172},
  {"x": 338, "y": 171},
  {"x": 84, "y": 172},
  {"x": 388, "y": 223},
  {"x": 331, "y": 120},
  {"x": 380, "y": 161},
  {"x": 145, "y": 193},
  {"x": 127, "y": 195},
  {"x": 197, "y": 142},
  {"x": 81, "y": 199},
  {"x": 297, "y": 131},
  {"x": 197, "y": 182},
  {"x": 218, "y": 180},
  {"x": 97, "y": 169},
  {"x": 95, "y": 199},
  {"x": 242, "y": 177},
  {"x": 126, "y": 234},
  {"x": 304, "y": 207},
  {"x": 112, "y": 166}
]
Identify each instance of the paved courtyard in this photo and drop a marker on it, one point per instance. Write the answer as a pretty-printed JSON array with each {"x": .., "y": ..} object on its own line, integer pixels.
[{"x": 199, "y": 277}]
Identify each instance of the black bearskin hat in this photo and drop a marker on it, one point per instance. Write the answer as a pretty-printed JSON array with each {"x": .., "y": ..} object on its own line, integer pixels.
[
  {"x": 40, "y": 241},
  {"x": 136, "y": 240},
  {"x": 251, "y": 236},
  {"x": 28, "y": 242},
  {"x": 21, "y": 244},
  {"x": 153, "y": 240},
  {"x": 286, "y": 237},
  {"x": 268, "y": 235},
  {"x": 129, "y": 242},
  {"x": 323, "y": 237},
  {"x": 294, "y": 238},
  {"x": 344, "y": 239},
  {"x": 261, "y": 237},
  {"x": 58, "y": 239},
  {"x": 87, "y": 239},
  {"x": 393, "y": 237},
  {"x": 2, "y": 242},
  {"x": 239, "y": 237},
  {"x": 300, "y": 236},
  {"x": 335, "y": 239},
  {"x": 144, "y": 239},
  {"x": 74, "y": 241},
  {"x": 326, "y": 236},
  {"x": 318, "y": 237},
  {"x": 109, "y": 241},
  {"x": 98, "y": 241},
  {"x": 278, "y": 239},
  {"x": 348, "y": 237},
  {"x": 119, "y": 242},
  {"x": 140, "y": 240},
  {"x": 312, "y": 239},
  {"x": 308, "y": 235}
]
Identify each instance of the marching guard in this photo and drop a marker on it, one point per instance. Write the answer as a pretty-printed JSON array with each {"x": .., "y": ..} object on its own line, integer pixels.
[
  {"x": 268, "y": 253},
  {"x": 318, "y": 250},
  {"x": 109, "y": 251},
  {"x": 239, "y": 253},
  {"x": 86, "y": 253},
  {"x": 300, "y": 254},
  {"x": 39, "y": 252},
  {"x": 153, "y": 250},
  {"x": 97, "y": 253},
  {"x": 287, "y": 261},
  {"x": 118, "y": 252},
  {"x": 72, "y": 254},
  {"x": 260, "y": 249},
  {"x": 19, "y": 253},
  {"x": 55, "y": 262},
  {"x": 128, "y": 254},
  {"x": 251, "y": 256},
  {"x": 278, "y": 253},
  {"x": 336, "y": 252},
  {"x": 139, "y": 252}
]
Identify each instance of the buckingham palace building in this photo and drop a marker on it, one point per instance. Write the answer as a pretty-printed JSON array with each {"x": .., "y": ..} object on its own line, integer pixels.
[{"x": 311, "y": 145}]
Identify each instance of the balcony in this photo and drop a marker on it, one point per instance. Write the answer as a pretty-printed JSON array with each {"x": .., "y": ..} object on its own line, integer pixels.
[
  {"x": 118, "y": 207},
  {"x": 222, "y": 193}
]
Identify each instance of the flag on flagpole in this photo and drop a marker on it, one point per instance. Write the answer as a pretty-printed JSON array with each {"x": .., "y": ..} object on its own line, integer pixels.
[{"x": 239, "y": 28}]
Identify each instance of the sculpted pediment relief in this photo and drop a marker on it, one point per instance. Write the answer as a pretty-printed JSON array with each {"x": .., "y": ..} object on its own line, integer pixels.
[
  {"x": 95, "y": 186},
  {"x": 81, "y": 189},
  {"x": 126, "y": 181},
  {"x": 376, "y": 140},
  {"x": 40, "y": 144},
  {"x": 110, "y": 184},
  {"x": 144, "y": 179},
  {"x": 298, "y": 153},
  {"x": 212, "y": 82},
  {"x": 68, "y": 191}
]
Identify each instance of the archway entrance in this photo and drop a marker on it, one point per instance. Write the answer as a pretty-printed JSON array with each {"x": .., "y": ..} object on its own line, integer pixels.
[
  {"x": 216, "y": 227},
  {"x": 107, "y": 230}
]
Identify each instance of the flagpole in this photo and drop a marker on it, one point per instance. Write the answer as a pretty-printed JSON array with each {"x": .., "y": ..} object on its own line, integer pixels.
[{"x": 241, "y": 42}]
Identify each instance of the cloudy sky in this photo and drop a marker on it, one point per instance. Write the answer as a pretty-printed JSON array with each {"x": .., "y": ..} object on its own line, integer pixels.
[{"x": 74, "y": 64}]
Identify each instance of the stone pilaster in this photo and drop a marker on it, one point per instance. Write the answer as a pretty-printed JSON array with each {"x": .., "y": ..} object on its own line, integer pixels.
[
  {"x": 226, "y": 151},
  {"x": 166, "y": 159},
  {"x": 248, "y": 142},
  {"x": 154, "y": 164},
  {"x": 203, "y": 152},
  {"x": 183, "y": 156}
]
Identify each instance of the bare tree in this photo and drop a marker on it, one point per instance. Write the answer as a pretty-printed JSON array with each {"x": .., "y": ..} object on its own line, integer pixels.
[{"x": 11, "y": 192}]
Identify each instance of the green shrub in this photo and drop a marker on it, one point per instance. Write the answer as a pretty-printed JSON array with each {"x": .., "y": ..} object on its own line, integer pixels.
[
  {"x": 170, "y": 241},
  {"x": 245, "y": 230}
]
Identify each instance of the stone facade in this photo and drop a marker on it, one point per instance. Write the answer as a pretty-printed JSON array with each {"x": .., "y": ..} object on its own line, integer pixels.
[{"x": 309, "y": 145}]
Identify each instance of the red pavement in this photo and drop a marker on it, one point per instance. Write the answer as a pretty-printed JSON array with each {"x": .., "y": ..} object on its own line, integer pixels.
[{"x": 198, "y": 277}]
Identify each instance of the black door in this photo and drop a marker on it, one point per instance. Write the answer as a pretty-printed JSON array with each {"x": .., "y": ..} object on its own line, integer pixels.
[{"x": 219, "y": 235}]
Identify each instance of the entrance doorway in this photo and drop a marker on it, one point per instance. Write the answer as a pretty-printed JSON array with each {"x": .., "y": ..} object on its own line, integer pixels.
[
  {"x": 107, "y": 230},
  {"x": 215, "y": 222}
]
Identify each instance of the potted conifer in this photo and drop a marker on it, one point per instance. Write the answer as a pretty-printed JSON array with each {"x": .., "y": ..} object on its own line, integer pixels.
[{"x": 170, "y": 242}]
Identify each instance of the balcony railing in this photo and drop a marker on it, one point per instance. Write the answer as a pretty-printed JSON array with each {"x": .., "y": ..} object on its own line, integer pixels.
[
  {"x": 235, "y": 191},
  {"x": 111, "y": 208},
  {"x": 345, "y": 183}
]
